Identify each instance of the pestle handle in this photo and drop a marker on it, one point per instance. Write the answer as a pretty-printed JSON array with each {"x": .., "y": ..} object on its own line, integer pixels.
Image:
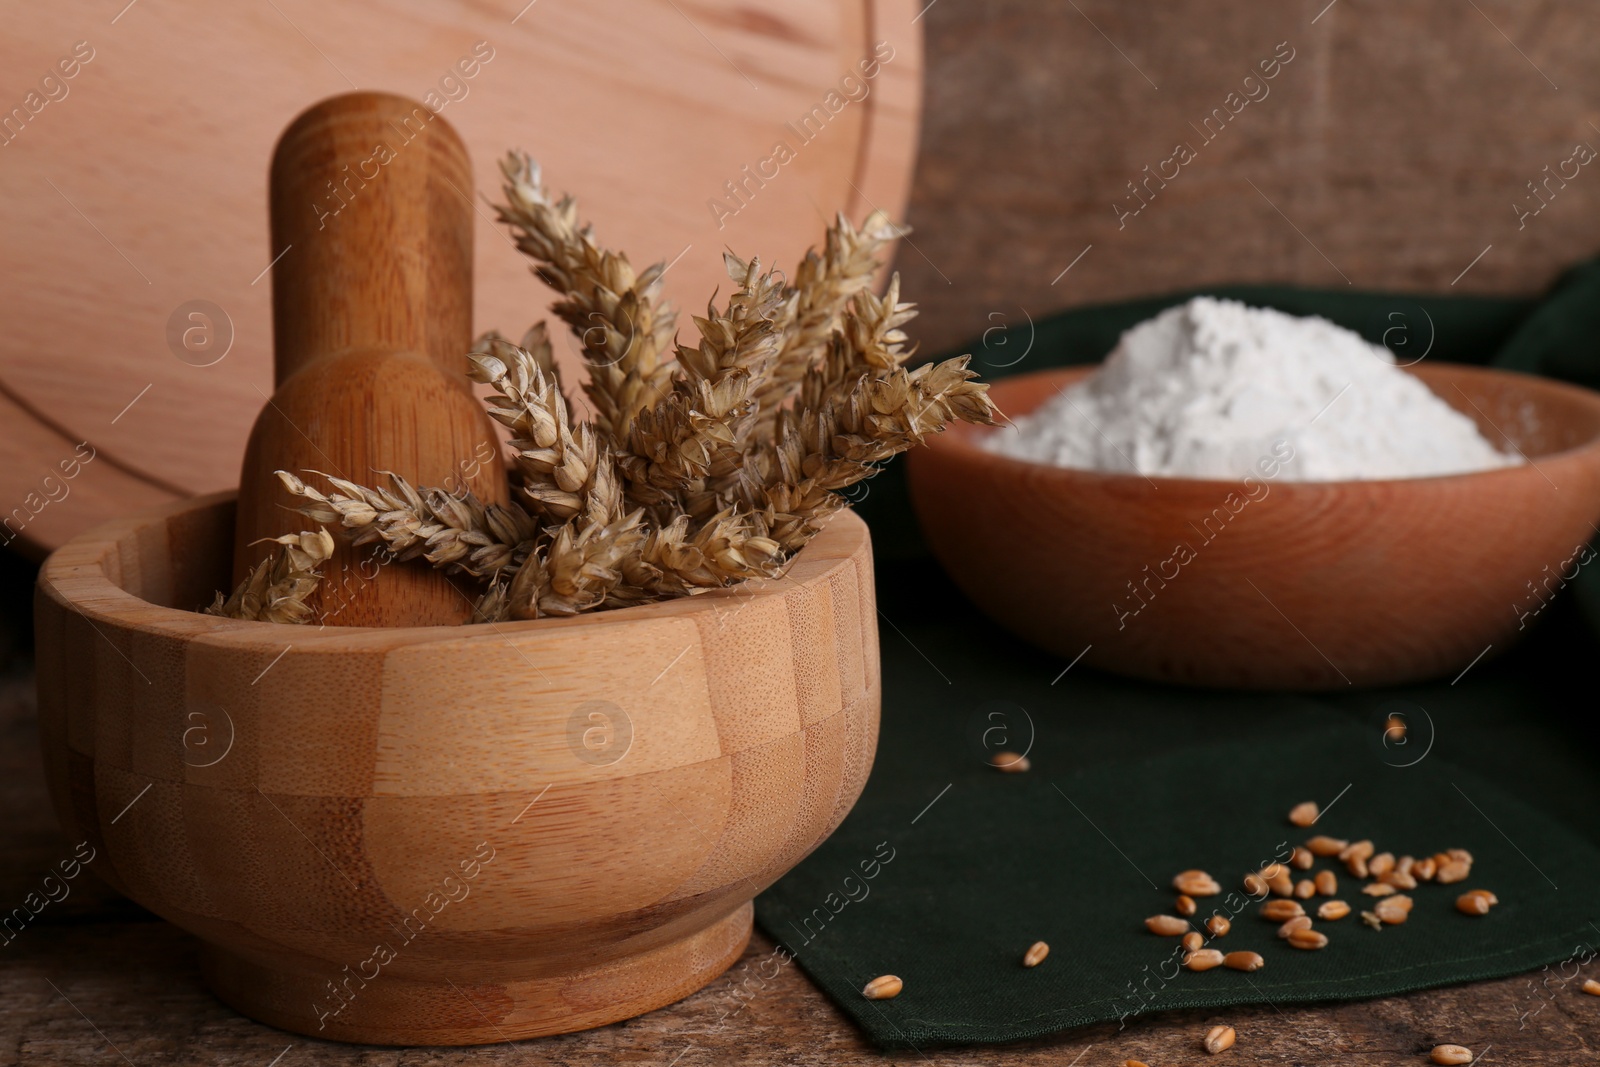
[
  {"x": 369, "y": 197},
  {"x": 372, "y": 319}
]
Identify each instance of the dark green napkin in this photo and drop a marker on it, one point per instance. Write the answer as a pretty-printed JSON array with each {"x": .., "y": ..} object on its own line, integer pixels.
[{"x": 947, "y": 870}]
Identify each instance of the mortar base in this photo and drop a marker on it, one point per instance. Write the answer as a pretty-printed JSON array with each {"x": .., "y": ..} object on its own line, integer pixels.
[{"x": 390, "y": 1010}]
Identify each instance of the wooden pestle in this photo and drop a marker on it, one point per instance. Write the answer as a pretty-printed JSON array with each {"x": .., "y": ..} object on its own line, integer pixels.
[{"x": 372, "y": 320}]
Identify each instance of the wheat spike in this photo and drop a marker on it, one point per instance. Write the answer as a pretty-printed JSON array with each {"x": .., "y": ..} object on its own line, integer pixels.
[
  {"x": 575, "y": 570},
  {"x": 615, "y": 312},
  {"x": 457, "y": 534},
  {"x": 685, "y": 447},
  {"x": 566, "y": 472},
  {"x": 824, "y": 286},
  {"x": 277, "y": 588},
  {"x": 684, "y": 557},
  {"x": 855, "y": 410}
]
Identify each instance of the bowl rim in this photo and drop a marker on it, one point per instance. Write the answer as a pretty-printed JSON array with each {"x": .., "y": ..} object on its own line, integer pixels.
[
  {"x": 74, "y": 578},
  {"x": 965, "y": 441}
]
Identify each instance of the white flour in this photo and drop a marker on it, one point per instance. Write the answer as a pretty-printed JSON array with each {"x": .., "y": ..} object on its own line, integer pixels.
[{"x": 1204, "y": 390}]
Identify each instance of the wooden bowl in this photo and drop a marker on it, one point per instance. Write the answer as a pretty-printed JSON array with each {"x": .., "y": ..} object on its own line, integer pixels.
[
  {"x": 1304, "y": 585},
  {"x": 450, "y": 835}
]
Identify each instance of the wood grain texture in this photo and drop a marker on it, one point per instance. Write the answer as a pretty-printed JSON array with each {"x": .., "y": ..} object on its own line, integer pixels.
[
  {"x": 1390, "y": 152},
  {"x": 140, "y": 991},
  {"x": 145, "y": 188},
  {"x": 1288, "y": 585},
  {"x": 564, "y": 819},
  {"x": 372, "y": 320}
]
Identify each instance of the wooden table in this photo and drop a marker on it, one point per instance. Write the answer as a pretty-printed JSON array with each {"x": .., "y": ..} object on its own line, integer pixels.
[{"x": 95, "y": 979}]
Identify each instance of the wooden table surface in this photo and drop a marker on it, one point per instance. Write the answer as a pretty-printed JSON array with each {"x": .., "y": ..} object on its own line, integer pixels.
[{"x": 97, "y": 980}]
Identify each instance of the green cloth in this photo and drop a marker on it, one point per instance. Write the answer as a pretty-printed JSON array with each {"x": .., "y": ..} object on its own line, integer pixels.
[{"x": 947, "y": 870}]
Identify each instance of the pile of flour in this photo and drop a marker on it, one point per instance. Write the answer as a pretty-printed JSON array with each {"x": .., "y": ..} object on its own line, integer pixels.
[{"x": 1206, "y": 389}]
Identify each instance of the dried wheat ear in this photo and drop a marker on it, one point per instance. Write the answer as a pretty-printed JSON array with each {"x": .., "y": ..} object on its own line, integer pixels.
[
  {"x": 277, "y": 588},
  {"x": 700, "y": 467}
]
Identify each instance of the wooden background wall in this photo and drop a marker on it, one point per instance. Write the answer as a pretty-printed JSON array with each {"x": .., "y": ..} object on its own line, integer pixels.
[
  {"x": 1393, "y": 148},
  {"x": 1387, "y": 154}
]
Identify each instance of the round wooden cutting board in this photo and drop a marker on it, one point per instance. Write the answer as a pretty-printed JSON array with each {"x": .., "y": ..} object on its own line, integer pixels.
[{"x": 134, "y": 143}]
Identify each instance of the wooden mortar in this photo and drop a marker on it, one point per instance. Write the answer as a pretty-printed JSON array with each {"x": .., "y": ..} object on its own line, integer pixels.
[
  {"x": 372, "y": 320},
  {"x": 412, "y": 833},
  {"x": 449, "y": 835}
]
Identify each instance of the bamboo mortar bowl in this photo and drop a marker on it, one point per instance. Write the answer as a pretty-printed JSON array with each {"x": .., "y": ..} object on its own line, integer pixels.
[
  {"x": 450, "y": 835},
  {"x": 1296, "y": 585}
]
